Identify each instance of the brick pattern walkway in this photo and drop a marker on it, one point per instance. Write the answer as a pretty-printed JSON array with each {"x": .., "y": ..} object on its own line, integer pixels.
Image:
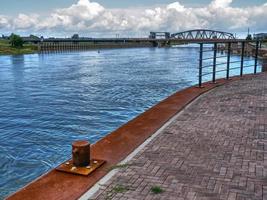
[{"x": 215, "y": 149}]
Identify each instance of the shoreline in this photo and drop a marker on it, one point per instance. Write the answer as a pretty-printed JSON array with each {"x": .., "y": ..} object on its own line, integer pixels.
[
  {"x": 6, "y": 49},
  {"x": 114, "y": 147}
]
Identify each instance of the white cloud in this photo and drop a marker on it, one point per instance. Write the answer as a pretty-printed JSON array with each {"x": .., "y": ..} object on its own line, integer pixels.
[
  {"x": 220, "y": 3},
  {"x": 25, "y": 21},
  {"x": 4, "y": 23},
  {"x": 176, "y": 6},
  {"x": 84, "y": 10},
  {"x": 88, "y": 17}
]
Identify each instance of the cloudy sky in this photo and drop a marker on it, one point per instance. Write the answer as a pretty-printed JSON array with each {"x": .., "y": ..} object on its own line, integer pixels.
[{"x": 129, "y": 17}]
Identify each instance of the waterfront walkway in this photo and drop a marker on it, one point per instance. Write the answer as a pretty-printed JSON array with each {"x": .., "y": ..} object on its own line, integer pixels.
[{"x": 216, "y": 148}]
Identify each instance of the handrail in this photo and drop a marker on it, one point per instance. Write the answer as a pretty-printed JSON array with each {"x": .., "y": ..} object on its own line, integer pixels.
[{"x": 228, "y": 47}]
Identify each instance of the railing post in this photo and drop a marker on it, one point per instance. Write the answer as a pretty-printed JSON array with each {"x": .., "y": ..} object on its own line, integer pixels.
[
  {"x": 264, "y": 63},
  {"x": 214, "y": 62},
  {"x": 228, "y": 60},
  {"x": 200, "y": 65},
  {"x": 256, "y": 56},
  {"x": 242, "y": 58}
]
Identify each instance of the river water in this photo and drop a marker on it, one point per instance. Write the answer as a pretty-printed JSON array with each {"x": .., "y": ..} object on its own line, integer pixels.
[{"x": 49, "y": 100}]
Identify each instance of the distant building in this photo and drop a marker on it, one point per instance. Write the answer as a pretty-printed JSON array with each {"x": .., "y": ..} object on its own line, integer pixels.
[
  {"x": 155, "y": 35},
  {"x": 260, "y": 36}
]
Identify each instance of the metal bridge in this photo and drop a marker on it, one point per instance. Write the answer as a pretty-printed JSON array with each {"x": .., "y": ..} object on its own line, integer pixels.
[
  {"x": 198, "y": 34},
  {"x": 155, "y": 39},
  {"x": 192, "y": 35}
]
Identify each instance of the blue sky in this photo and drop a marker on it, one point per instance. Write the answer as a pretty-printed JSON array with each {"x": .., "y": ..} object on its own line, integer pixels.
[
  {"x": 107, "y": 18},
  {"x": 13, "y": 7}
]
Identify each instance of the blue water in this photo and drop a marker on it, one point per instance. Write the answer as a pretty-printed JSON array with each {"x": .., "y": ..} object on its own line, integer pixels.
[{"x": 49, "y": 100}]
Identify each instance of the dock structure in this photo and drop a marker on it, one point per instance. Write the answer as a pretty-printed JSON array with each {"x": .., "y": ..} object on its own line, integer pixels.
[
  {"x": 250, "y": 48},
  {"x": 85, "y": 44}
]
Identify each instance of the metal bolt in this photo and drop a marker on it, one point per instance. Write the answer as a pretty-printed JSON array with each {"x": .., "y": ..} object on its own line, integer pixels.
[{"x": 81, "y": 153}]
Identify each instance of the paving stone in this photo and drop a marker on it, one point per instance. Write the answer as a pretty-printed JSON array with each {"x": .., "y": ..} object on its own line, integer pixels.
[{"x": 215, "y": 149}]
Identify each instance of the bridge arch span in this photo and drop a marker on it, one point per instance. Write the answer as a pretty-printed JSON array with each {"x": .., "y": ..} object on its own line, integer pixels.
[{"x": 199, "y": 34}]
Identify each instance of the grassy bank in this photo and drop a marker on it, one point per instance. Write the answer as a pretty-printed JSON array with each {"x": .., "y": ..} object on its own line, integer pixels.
[{"x": 6, "y": 49}]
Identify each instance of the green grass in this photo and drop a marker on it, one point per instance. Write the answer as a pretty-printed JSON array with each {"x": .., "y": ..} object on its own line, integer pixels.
[
  {"x": 119, "y": 166},
  {"x": 6, "y": 49},
  {"x": 115, "y": 190},
  {"x": 119, "y": 189},
  {"x": 157, "y": 190}
]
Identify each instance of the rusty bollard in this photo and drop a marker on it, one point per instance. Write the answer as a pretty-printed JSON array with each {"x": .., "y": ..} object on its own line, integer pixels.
[{"x": 81, "y": 153}]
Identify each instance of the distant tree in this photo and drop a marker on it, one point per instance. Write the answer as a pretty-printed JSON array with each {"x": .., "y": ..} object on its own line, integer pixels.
[
  {"x": 16, "y": 41},
  {"x": 249, "y": 37}
]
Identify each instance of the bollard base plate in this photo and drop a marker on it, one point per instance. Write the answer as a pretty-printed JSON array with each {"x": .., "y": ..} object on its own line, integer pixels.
[{"x": 68, "y": 167}]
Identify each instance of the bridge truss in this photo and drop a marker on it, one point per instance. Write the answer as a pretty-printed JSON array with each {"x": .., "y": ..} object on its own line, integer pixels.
[{"x": 199, "y": 34}]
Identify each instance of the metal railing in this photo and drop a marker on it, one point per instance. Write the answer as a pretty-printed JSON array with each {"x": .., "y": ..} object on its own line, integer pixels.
[{"x": 242, "y": 48}]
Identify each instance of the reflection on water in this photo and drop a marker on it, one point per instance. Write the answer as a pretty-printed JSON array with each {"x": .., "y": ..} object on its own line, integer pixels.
[{"x": 49, "y": 100}]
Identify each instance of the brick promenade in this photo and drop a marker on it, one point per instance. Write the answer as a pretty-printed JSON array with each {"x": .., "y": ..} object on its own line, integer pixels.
[{"x": 215, "y": 149}]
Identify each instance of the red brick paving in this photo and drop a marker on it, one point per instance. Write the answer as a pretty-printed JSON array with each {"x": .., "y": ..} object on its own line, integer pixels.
[{"x": 215, "y": 149}]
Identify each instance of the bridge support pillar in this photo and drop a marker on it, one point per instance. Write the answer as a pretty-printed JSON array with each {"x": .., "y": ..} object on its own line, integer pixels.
[{"x": 155, "y": 44}]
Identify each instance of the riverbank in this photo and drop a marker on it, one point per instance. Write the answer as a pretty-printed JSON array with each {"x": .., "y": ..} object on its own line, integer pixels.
[
  {"x": 114, "y": 147},
  {"x": 64, "y": 96},
  {"x": 6, "y": 49}
]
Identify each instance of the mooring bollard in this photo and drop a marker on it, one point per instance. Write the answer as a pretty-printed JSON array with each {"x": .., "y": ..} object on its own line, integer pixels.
[
  {"x": 81, "y": 162},
  {"x": 81, "y": 153}
]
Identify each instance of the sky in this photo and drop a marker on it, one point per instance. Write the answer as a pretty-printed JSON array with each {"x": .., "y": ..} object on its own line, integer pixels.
[
  {"x": 14, "y": 6},
  {"x": 107, "y": 18}
]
